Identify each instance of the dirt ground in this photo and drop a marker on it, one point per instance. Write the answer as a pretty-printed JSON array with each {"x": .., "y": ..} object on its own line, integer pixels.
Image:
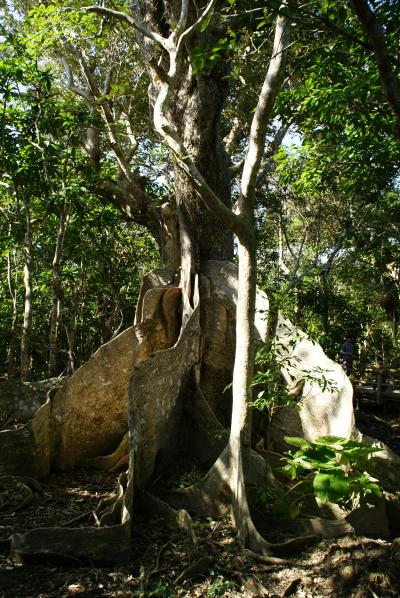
[{"x": 169, "y": 565}]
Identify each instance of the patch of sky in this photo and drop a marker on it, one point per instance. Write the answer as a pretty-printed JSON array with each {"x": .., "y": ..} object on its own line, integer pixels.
[{"x": 292, "y": 139}]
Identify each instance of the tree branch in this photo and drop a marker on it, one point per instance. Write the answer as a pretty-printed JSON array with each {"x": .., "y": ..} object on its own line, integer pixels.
[
  {"x": 131, "y": 136},
  {"x": 376, "y": 36},
  {"x": 230, "y": 141},
  {"x": 70, "y": 82},
  {"x": 262, "y": 115},
  {"x": 122, "y": 16},
  {"x": 273, "y": 147},
  {"x": 324, "y": 22},
  {"x": 197, "y": 24},
  {"x": 107, "y": 82},
  {"x": 128, "y": 202},
  {"x": 110, "y": 124},
  {"x": 180, "y": 27}
]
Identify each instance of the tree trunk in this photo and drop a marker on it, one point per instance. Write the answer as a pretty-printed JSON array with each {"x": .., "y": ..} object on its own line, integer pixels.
[
  {"x": 195, "y": 113},
  {"x": 27, "y": 323},
  {"x": 70, "y": 332},
  {"x": 13, "y": 344},
  {"x": 196, "y": 117},
  {"x": 390, "y": 302},
  {"x": 189, "y": 123},
  {"x": 325, "y": 302},
  {"x": 239, "y": 444},
  {"x": 375, "y": 33},
  {"x": 57, "y": 292}
]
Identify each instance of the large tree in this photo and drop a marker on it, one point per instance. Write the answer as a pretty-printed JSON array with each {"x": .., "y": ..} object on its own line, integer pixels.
[
  {"x": 186, "y": 113},
  {"x": 182, "y": 51}
]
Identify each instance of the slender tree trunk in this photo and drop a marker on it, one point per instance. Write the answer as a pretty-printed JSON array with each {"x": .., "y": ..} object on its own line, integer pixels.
[
  {"x": 70, "y": 332},
  {"x": 57, "y": 292},
  {"x": 240, "y": 436},
  {"x": 282, "y": 269},
  {"x": 325, "y": 302},
  {"x": 13, "y": 343},
  {"x": 27, "y": 323},
  {"x": 376, "y": 36}
]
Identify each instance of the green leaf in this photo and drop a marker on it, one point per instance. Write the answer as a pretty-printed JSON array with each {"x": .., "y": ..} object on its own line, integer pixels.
[
  {"x": 206, "y": 21},
  {"x": 321, "y": 457},
  {"x": 373, "y": 488},
  {"x": 297, "y": 441},
  {"x": 283, "y": 508},
  {"x": 329, "y": 440},
  {"x": 331, "y": 487}
]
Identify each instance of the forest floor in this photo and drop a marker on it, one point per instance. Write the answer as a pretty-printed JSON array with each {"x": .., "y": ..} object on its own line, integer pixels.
[{"x": 169, "y": 565}]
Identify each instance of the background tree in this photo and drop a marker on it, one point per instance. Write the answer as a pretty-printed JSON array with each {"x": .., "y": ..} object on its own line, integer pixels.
[{"x": 55, "y": 230}]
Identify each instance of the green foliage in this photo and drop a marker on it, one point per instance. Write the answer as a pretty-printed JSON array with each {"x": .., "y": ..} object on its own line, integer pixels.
[
  {"x": 331, "y": 469},
  {"x": 336, "y": 466},
  {"x": 201, "y": 526},
  {"x": 272, "y": 358},
  {"x": 278, "y": 503},
  {"x": 285, "y": 508},
  {"x": 331, "y": 487},
  {"x": 220, "y": 586},
  {"x": 267, "y": 381},
  {"x": 335, "y": 185},
  {"x": 206, "y": 57},
  {"x": 188, "y": 478},
  {"x": 222, "y": 433},
  {"x": 43, "y": 165}
]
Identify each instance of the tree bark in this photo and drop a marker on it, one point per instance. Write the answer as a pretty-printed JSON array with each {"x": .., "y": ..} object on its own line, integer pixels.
[
  {"x": 325, "y": 301},
  {"x": 27, "y": 323},
  {"x": 240, "y": 435},
  {"x": 13, "y": 344},
  {"x": 57, "y": 293},
  {"x": 194, "y": 111},
  {"x": 376, "y": 36}
]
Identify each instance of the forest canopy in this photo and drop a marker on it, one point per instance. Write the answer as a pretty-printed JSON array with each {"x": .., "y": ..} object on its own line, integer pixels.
[{"x": 75, "y": 120}]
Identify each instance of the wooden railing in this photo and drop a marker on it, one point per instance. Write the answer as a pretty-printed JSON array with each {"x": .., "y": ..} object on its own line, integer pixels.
[{"x": 382, "y": 385}]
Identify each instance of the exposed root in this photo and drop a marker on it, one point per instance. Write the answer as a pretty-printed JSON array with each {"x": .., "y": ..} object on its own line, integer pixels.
[
  {"x": 197, "y": 569},
  {"x": 311, "y": 526},
  {"x": 261, "y": 558},
  {"x": 104, "y": 545},
  {"x": 214, "y": 495},
  {"x": 145, "y": 576},
  {"x": 294, "y": 545},
  {"x": 174, "y": 519},
  {"x": 76, "y": 519},
  {"x": 109, "y": 510},
  {"x": 114, "y": 462}
]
